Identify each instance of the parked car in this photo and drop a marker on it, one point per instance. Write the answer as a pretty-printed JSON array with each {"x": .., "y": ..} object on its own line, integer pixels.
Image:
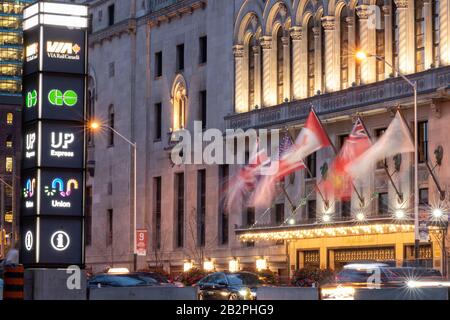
[
  {"x": 137, "y": 279},
  {"x": 229, "y": 286}
]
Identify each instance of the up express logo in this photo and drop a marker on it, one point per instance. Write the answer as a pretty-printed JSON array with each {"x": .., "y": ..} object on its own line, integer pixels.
[{"x": 58, "y": 98}]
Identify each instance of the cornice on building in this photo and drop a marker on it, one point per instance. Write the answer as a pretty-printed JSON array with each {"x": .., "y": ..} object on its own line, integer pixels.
[{"x": 174, "y": 11}]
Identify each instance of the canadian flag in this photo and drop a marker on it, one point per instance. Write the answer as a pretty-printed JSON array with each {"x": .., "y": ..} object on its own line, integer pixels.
[
  {"x": 311, "y": 139},
  {"x": 338, "y": 182}
]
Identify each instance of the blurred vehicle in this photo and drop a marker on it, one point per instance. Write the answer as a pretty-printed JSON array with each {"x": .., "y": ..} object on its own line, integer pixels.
[
  {"x": 374, "y": 276},
  {"x": 136, "y": 279},
  {"x": 229, "y": 286},
  {"x": 1, "y": 289}
]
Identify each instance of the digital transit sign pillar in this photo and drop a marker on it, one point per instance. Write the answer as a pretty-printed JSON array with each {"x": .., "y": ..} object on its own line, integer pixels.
[{"x": 53, "y": 155}]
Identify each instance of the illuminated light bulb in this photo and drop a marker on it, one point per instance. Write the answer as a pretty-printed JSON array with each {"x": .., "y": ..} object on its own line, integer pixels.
[
  {"x": 437, "y": 213},
  {"x": 400, "y": 214},
  {"x": 360, "y": 216},
  {"x": 94, "y": 125},
  {"x": 261, "y": 264},
  {"x": 233, "y": 265},
  {"x": 208, "y": 265},
  {"x": 187, "y": 266},
  {"x": 326, "y": 218},
  {"x": 291, "y": 222},
  {"x": 361, "y": 55}
]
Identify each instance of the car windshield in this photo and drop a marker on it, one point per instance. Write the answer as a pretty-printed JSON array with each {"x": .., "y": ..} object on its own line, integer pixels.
[
  {"x": 245, "y": 279},
  {"x": 349, "y": 275}
]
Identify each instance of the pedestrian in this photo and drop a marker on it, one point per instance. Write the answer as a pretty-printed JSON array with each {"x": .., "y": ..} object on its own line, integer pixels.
[{"x": 12, "y": 257}]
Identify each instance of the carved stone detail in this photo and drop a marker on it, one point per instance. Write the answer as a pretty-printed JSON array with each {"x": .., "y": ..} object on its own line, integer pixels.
[
  {"x": 266, "y": 43},
  {"x": 328, "y": 23},
  {"x": 296, "y": 33},
  {"x": 238, "y": 51}
]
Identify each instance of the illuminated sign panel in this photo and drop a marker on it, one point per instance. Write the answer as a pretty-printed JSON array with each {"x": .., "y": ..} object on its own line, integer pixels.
[
  {"x": 62, "y": 97},
  {"x": 64, "y": 49},
  {"x": 52, "y": 49},
  {"x": 48, "y": 240},
  {"x": 54, "y": 145},
  {"x": 62, "y": 145},
  {"x": 54, "y": 129},
  {"x": 61, "y": 193},
  {"x": 29, "y": 193}
]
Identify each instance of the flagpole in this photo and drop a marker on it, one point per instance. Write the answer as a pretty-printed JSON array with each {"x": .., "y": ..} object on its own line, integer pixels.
[
  {"x": 360, "y": 198},
  {"x": 385, "y": 167},
  {"x": 325, "y": 201}
]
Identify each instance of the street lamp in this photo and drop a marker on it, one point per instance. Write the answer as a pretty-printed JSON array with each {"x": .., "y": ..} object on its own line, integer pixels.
[
  {"x": 361, "y": 55},
  {"x": 95, "y": 125}
]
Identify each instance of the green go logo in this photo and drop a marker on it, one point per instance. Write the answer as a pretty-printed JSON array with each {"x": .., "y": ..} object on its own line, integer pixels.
[
  {"x": 31, "y": 99},
  {"x": 58, "y": 98}
]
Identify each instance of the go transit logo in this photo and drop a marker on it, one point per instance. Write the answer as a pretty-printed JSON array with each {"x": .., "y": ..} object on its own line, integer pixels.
[
  {"x": 57, "y": 98},
  {"x": 31, "y": 99}
]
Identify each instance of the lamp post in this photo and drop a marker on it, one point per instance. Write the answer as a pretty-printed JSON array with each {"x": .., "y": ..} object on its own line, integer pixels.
[
  {"x": 96, "y": 126},
  {"x": 3, "y": 183},
  {"x": 361, "y": 55}
]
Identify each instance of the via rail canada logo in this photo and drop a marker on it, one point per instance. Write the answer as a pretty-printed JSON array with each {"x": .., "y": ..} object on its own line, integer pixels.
[
  {"x": 58, "y": 98},
  {"x": 63, "y": 50},
  {"x": 64, "y": 190},
  {"x": 31, "y": 99}
]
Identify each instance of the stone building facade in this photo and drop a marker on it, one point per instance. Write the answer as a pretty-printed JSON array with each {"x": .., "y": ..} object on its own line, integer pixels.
[{"x": 158, "y": 66}]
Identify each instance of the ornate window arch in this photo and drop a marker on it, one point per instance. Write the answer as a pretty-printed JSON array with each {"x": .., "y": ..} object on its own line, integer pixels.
[
  {"x": 311, "y": 56},
  {"x": 344, "y": 46},
  {"x": 179, "y": 102}
]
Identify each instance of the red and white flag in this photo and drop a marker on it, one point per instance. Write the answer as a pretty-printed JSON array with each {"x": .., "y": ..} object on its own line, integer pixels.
[
  {"x": 338, "y": 182},
  {"x": 311, "y": 139},
  {"x": 246, "y": 179},
  {"x": 396, "y": 140}
]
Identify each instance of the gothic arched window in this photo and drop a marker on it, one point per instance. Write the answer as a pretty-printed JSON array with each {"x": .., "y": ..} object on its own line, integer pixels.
[
  {"x": 344, "y": 48},
  {"x": 280, "y": 66},
  {"x": 419, "y": 35},
  {"x": 251, "y": 72},
  {"x": 311, "y": 57},
  {"x": 380, "y": 45}
]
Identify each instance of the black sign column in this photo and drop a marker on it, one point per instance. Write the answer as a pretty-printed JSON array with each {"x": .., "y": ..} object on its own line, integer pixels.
[{"x": 53, "y": 161}]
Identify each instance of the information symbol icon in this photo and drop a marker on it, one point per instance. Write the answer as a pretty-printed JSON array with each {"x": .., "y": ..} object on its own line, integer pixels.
[
  {"x": 60, "y": 241},
  {"x": 29, "y": 241}
]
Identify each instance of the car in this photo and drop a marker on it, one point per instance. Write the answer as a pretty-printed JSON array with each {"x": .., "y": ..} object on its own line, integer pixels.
[
  {"x": 136, "y": 279},
  {"x": 374, "y": 276},
  {"x": 229, "y": 286},
  {"x": 1, "y": 289}
]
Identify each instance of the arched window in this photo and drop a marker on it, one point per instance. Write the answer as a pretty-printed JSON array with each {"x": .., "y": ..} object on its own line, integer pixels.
[
  {"x": 251, "y": 72},
  {"x": 395, "y": 35},
  {"x": 179, "y": 106},
  {"x": 436, "y": 34},
  {"x": 111, "y": 123},
  {"x": 9, "y": 118},
  {"x": 344, "y": 48},
  {"x": 380, "y": 45},
  {"x": 419, "y": 35},
  {"x": 280, "y": 65},
  {"x": 311, "y": 57}
]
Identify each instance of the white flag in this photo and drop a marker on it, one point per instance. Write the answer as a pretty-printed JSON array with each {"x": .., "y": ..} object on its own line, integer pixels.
[{"x": 396, "y": 140}]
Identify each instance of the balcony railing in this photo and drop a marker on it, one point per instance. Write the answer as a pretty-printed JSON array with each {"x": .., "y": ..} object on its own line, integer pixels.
[
  {"x": 156, "y": 5},
  {"x": 345, "y": 102}
]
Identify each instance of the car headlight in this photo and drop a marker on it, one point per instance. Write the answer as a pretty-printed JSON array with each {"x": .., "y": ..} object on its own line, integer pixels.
[{"x": 243, "y": 292}]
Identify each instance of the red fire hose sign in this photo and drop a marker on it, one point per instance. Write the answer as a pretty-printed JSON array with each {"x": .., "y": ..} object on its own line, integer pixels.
[{"x": 141, "y": 242}]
